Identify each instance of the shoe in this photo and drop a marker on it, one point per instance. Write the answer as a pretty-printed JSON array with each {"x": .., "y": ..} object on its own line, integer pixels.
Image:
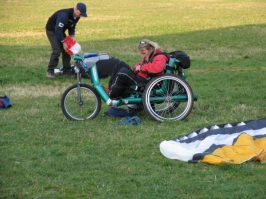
[
  {"x": 132, "y": 106},
  {"x": 136, "y": 107},
  {"x": 50, "y": 75}
]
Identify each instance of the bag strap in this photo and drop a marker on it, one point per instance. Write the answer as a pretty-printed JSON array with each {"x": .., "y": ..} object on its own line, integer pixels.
[
  {"x": 161, "y": 53},
  {"x": 135, "y": 120}
]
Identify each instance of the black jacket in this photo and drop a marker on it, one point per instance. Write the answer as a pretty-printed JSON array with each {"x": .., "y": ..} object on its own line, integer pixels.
[{"x": 61, "y": 21}]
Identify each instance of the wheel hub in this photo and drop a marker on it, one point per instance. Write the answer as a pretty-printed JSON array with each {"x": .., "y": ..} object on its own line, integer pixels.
[{"x": 168, "y": 98}]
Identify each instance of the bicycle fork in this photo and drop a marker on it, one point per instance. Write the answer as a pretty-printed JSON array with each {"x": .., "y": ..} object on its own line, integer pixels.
[{"x": 77, "y": 71}]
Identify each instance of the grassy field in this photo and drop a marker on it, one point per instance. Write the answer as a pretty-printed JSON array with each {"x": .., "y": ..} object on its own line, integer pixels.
[{"x": 44, "y": 155}]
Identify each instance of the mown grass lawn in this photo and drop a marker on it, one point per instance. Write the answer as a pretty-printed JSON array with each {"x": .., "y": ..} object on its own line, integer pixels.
[{"x": 44, "y": 155}]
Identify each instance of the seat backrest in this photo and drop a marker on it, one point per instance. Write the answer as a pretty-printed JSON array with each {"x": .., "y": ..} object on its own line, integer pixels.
[{"x": 170, "y": 66}]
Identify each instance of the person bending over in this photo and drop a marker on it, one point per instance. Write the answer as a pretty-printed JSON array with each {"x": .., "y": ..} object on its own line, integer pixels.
[{"x": 57, "y": 24}]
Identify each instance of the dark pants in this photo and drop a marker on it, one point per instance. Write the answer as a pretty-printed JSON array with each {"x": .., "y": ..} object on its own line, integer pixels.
[
  {"x": 106, "y": 67},
  {"x": 57, "y": 49},
  {"x": 122, "y": 78}
]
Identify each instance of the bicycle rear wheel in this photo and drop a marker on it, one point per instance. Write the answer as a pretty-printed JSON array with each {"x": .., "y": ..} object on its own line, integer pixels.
[
  {"x": 80, "y": 103},
  {"x": 168, "y": 97}
]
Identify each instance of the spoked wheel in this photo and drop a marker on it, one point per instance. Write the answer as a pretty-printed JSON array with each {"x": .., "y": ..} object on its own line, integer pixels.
[
  {"x": 168, "y": 97},
  {"x": 80, "y": 103}
]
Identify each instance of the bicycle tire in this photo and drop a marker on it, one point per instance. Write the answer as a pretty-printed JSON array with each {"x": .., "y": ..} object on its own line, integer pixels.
[
  {"x": 169, "y": 108},
  {"x": 88, "y": 107}
]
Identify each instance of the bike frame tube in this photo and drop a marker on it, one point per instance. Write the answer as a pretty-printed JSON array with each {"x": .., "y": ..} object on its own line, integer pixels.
[
  {"x": 178, "y": 98},
  {"x": 95, "y": 80},
  {"x": 131, "y": 100}
]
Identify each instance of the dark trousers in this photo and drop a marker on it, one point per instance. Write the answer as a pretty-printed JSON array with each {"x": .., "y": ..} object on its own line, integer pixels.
[
  {"x": 122, "y": 78},
  {"x": 57, "y": 49}
]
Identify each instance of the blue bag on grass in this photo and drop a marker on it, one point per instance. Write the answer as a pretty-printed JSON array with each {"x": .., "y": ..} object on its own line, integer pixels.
[
  {"x": 4, "y": 102},
  {"x": 120, "y": 112}
]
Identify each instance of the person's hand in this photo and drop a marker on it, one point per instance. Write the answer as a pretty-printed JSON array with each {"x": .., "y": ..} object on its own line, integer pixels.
[
  {"x": 138, "y": 67},
  {"x": 65, "y": 46}
]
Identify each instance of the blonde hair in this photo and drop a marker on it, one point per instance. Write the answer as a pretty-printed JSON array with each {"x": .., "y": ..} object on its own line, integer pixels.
[{"x": 148, "y": 44}]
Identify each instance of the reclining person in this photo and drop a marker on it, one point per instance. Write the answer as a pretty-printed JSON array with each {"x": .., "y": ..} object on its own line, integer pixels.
[{"x": 153, "y": 63}]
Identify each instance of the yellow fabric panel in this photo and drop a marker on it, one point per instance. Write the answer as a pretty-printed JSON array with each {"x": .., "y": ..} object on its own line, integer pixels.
[
  {"x": 212, "y": 159},
  {"x": 244, "y": 149},
  {"x": 244, "y": 139},
  {"x": 261, "y": 143}
]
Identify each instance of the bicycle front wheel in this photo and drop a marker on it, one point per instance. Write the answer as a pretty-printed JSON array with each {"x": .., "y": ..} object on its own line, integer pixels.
[{"x": 80, "y": 102}]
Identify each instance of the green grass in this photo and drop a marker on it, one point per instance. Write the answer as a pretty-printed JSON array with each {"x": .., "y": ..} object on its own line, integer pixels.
[{"x": 44, "y": 155}]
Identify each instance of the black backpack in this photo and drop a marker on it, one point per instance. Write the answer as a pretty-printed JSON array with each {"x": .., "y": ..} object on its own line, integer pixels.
[{"x": 182, "y": 57}]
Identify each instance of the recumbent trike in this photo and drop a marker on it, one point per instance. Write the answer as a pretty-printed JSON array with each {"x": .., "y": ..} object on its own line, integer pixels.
[{"x": 164, "y": 97}]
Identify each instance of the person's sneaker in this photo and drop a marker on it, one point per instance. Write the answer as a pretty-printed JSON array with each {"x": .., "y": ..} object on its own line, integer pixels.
[
  {"x": 50, "y": 75},
  {"x": 136, "y": 107}
]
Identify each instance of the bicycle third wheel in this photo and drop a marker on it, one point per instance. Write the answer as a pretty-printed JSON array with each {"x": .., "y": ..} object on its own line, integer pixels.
[
  {"x": 82, "y": 103},
  {"x": 168, "y": 97}
]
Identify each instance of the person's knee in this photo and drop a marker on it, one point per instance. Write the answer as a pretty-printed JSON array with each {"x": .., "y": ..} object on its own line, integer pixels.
[
  {"x": 120, "y": 65},
  {"x": 123, "y": 71},
  {"x": 66, "y": 56},
  {"x": 56, "y": 53}
]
